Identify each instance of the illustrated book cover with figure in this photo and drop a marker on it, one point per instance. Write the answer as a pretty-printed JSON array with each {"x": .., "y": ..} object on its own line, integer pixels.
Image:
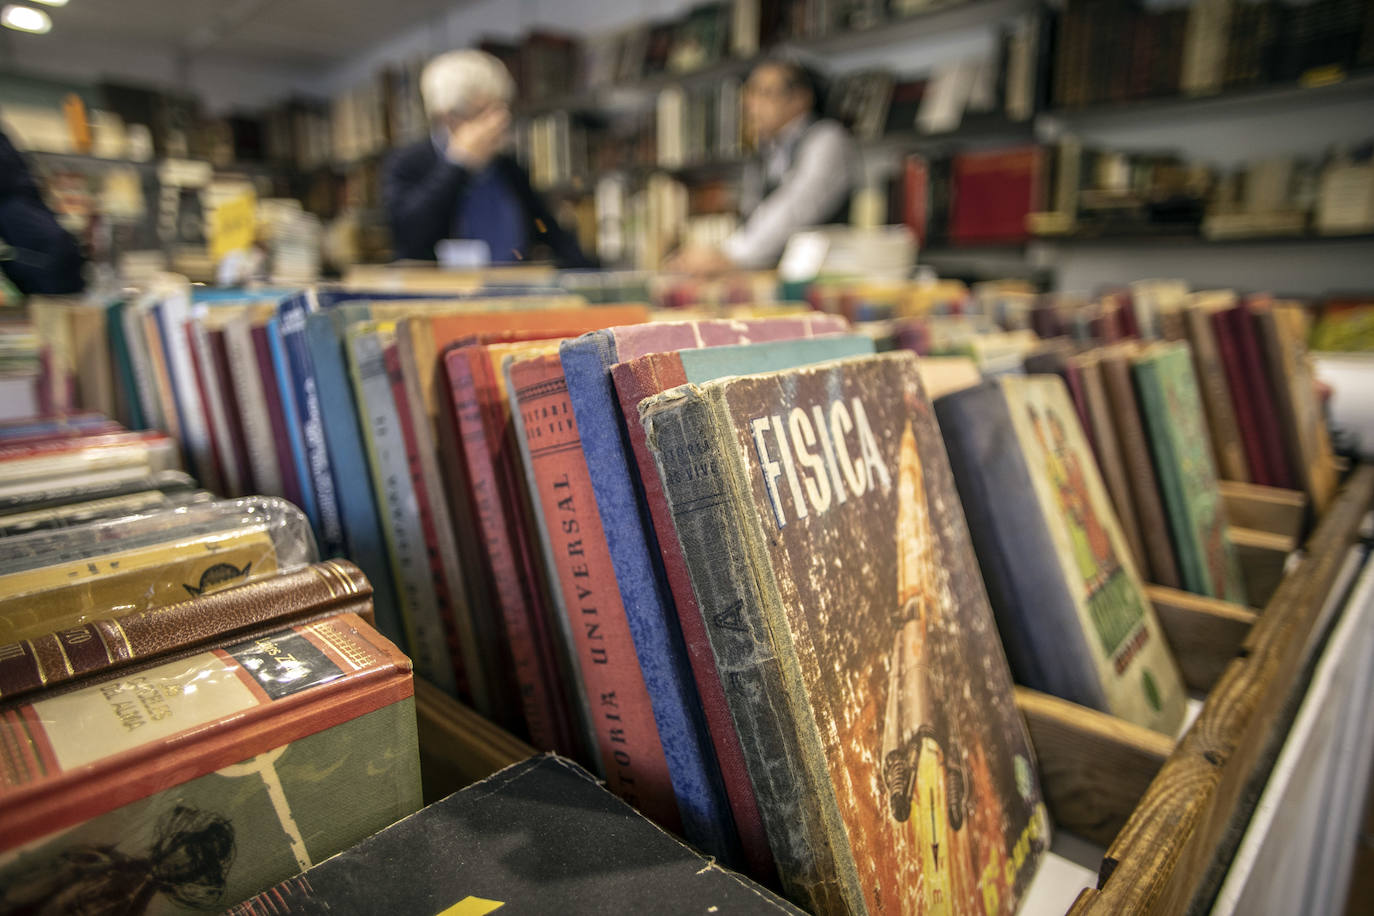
[
  {"x": 1173, "y": 413},
  {"x": 1071, "y": 607},
  {"x": 197, "y": 783},
  {"x": 538, "y": 836},
  {"x": 832, "y": 566}
]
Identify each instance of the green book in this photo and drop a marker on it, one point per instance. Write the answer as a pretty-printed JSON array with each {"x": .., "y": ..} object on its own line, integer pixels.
[{"x": 1172, "y": 409}]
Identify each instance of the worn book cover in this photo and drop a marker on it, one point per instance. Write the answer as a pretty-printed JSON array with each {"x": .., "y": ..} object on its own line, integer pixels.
[
  {"x": 195, "y": 784},
  {"x": 538, "y": 836},
  {"x": 44, "y": 494},
  {"x": 1071, "y": 607},
  {"x": 1172, "y": 409},
  {"x": 834, "y": 573},
  {"x": 1224, "y": 432}
]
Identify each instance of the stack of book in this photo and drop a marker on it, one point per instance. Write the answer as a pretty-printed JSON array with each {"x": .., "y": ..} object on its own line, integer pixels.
[{"x": 185, "y": 691}]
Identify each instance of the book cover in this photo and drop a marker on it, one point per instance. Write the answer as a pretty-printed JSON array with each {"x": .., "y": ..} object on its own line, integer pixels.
[
  {"x": 80, "y": 513},
  {"x": 195, "y": 784},
  {"x": 582, "y": 582},
  {"x": 425, "y": 634},
  {"x": 1073, "y": 613},
  {"x": 1258, "y": 391},
  {"x": 1172, "y": 409},
  {"x": 1224, "y": 432},
  {"x": 45, "y": 493},
  {"x": 841, "y": 597},
  {"x": 96, "y": 647},
  {"x": 1115, "y": 365},
  {"x": 1283, "y": 332},
  {"x": 586, "y": 365},
  {"x": 994, "y": 192},
  {"x": 291, "y": 484},
  {"x": 476, "y": 852},
  {"x": 291, "y": 448}
]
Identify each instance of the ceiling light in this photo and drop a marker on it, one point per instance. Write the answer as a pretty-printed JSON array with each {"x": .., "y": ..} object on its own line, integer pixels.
[
  {"x": 53, "y": 2},
  {"x": 25, "y": 19}
]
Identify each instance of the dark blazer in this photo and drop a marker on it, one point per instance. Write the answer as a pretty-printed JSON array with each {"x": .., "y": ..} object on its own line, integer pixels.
[
  {"x": 44, "y": 258},
  {"x": 421, "y": 190}
]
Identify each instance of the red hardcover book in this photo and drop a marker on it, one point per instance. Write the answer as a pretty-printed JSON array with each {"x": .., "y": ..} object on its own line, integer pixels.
[
  {"x": 443, "y": 588},
  {"x": 994, "y": 192},
  {"x": 238, "y": 441},
  {"x": 1244, "y": 403},
  {"x": 617, "y": 699},
  {"x": 1259, "y": 382},
  {"x": 276, "y": 416}
]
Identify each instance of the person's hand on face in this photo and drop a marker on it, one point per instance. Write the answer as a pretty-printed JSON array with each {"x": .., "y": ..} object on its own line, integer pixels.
[{"x": 475, "y": 140}]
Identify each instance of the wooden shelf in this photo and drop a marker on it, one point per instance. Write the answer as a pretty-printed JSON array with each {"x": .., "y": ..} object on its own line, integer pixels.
[{"x": 1192, "y": 237}]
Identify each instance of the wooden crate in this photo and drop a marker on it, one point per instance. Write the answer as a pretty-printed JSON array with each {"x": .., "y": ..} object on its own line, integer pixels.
[{"x": 1172, "y": 814}]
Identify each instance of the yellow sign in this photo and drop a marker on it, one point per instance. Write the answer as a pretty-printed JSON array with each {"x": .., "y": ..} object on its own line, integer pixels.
[
  {"x": 472, "y": 906},
  {"x": 233, "y": 225}
]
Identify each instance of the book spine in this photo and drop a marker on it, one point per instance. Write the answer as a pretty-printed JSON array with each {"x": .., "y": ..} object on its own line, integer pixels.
[
  {"x": 658, "y": 643},
  {"x": 339, "y": 422},
  {"x": 294, "y": 442},
  {"x": 62, "y": 656},
  {"x": 1111, "y": 462},
  {"x": 126, "y": 372},
  {"x": 634, "y": 383},
  {"x": 1216, "y": 398},
  {"x": 1258, "y": 383},
  {"x": 531, "y": 650},
  {"x": 400, "y": 517},
  {"x": 789, "y": 777},
  {"x": 1163, "y": 568},
  {"x": 438, "y": 540},
  {"x": 631, "y": 750},
  {"x": 172, "y": 315},
  {"x": 1242, "y": 400},
  {"x": 233, "y": 410},
  {"x": 271, "y": 395},
  {"x": 305, "y": 396},
  {"x": 158, "y": 377},
  {"x": 207, "y": 389},
  {"x": 263, "y": 468}
]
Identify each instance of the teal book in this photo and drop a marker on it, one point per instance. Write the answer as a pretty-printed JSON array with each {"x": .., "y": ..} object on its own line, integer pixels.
[{"x": 1172, "y": 410}]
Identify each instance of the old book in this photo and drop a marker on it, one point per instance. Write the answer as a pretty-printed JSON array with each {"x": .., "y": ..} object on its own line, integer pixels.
[
  {"x": 1071, "y": 608},
  {"x": 260, "y": 445},
  {"x": 1283, "y": 331},
  {"x": 135, "y": 453},
  {"x": 1107, "y": 449},
  {"x": 994, "y": 192},
  {"x": 45, "y": 493},
  {"x": 1252, "y": 396},
  {"x": 1223, "y": 430},
  {"x": 582, "y": 580},
  {"x": 98, "y": 647},
  {"x": 198, "y": 783},
  {"x": 292, "y": 486},
  {"x": 1172, "y": 409},
  {"x": 593, "y": 848},
  {"x": 832, "y": 568},
  {"x": 237, "y": 445},
  {"x": 422, "y": 618},
  {"x": 216, "y": 409},
  {"x": 80, "y": 513},
  {"x": 586, "y": 365},
  {"x": 51, "y": 580},
  {"x": 943, "y": 374},
  {"x": 1115, "y": 365}
]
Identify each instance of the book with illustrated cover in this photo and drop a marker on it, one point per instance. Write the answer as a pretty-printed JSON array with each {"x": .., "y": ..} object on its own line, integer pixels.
[
  {"x": 1172, "y": 408},
  {"x": 197, "y": 783},
  {"x": 537, "y": 835},
  {"x": 833, "y": 570},
  {"x": 1070, "y": 605}
]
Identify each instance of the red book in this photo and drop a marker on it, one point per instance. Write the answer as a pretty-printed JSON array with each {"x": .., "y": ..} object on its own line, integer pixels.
[
  {"x": 993, "y": 193},
  {"x": 224, "y": 473},
  {"x": 1231, "y": 360},
  {"x": 580, "y": 568},
  {"x": 1259, "y": 381},
  {"x": 916, "y": 197},
  {"x": 443, "y": 589},
  {"x": 238, "y": 440},
  {"x": 276, "y": 416},
  {"x": 481, "y": 418}
]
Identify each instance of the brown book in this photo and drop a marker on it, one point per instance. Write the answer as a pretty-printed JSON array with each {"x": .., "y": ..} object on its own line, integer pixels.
[
  {"x": 1107, "y": 449},
  {"x": 99, "y": 646},
  {"x": 1227, "y": 446},
  {"x": 1115, "y": 363},
  {"x": 1283, "y": 334}
]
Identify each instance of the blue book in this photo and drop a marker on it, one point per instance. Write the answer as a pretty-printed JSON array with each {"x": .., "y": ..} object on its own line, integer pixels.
[
  {"x": 662, "y": 656},
  {"x": 295, "y": 439},
  {"x": 343, "y": 438}
]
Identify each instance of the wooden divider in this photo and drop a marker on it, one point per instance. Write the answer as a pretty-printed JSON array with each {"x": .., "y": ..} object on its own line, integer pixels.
[
  {"x": 1170, "y": 854},
  {"x": 1271, "y": 509},
  {"x": 457, "y": 745},
  {"x": 1204, "y": 633}
]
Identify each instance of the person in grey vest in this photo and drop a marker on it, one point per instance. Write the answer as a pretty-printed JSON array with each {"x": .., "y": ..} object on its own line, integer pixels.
[{"x": 807, "y": 170}]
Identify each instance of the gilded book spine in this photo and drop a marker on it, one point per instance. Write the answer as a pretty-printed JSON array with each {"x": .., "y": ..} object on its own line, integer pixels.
[{"x": 711, "y": 518}]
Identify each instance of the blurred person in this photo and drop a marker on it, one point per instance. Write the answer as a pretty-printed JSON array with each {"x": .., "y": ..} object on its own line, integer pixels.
[
  {"x": 42, "y": 257},
  {"x": 807, "y": 169},
  {"x": 459, "y": 183}
]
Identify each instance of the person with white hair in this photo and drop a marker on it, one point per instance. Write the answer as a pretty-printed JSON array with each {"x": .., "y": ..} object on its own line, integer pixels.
[{"x": 460, "y": 183}]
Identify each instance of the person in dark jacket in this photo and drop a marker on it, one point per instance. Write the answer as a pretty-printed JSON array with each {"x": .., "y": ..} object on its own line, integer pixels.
[
  {"x": 36, "y": 254},
  {"x": 459, "y": 183}
]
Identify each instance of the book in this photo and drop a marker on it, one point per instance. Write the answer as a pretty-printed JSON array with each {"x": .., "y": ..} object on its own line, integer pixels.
[
  {"x": 292, "y": 486},
  {"x": 1162, "y": 566},
  {"x": 245, "y": 378},
  {"x": 586, "y": 363},
  {"x": 1172, "y": 409},
  {"x": 582, "y": 583},
  {"x": 200, "y": 782},
  {"x": 96, "y": 647},
  {"x": 1252, "y": 396},
  {"x": 841, "y": 598},
  {"x": 45, "y": 493},
  {"x": 994, "y": 192},
  {"x": 1283, "y": 331},
  {"x": 79, "y": 513},
  {"x": 133, "y": 453},
  {"x": 1223, "y": 430},
  {"x": 1070, "y": 606},
  {"x": 591, "y": 847}
]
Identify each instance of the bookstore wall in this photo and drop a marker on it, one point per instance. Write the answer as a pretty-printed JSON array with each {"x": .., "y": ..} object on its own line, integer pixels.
[{"x": 1000, "y": 547}]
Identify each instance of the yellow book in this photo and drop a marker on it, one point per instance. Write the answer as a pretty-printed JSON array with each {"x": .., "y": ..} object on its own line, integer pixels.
[{"x": 65, "y": 594}]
